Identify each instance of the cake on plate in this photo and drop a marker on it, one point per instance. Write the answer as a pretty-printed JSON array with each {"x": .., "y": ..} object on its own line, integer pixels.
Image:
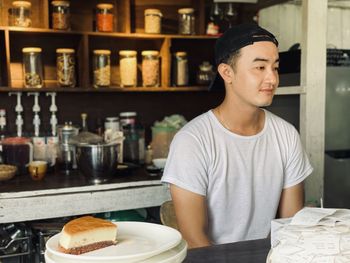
[
  {"x": 318, "y": 235},
  {"x": 86, "y": 234}
]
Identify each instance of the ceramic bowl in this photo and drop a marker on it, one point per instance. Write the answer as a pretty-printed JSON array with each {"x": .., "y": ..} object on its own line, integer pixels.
[{"x": 159, "y": 162}]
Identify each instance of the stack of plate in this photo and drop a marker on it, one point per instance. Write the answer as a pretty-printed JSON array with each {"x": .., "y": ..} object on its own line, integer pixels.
[{"x": 137, "y": 242}]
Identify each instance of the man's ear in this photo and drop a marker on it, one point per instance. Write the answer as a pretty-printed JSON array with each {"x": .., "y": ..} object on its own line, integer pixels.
[{"x": 225, "y": 72}]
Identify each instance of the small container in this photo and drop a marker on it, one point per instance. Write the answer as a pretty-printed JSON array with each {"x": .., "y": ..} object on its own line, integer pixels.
[
  {"x": 180, "y": 69},
  {"x": 153, "y": 21},
  {"x": 134, "y": 133},
  {"x": 102, "y": 68},
  {"x": 205, "y": 73},
  {"x": 150, "y": 68},
  {"x": 60, "y": 15},
  {"x": 104, "y": 17},
  {"x": 32, "y": 67},
  {"x": 127, "y": 118},
  {"x": 65, "y": 67},
  {"x": 128, "y": 68},
  {"x": 20, "y": 14},
  {"x": 112, "y": 123},
  {"x": 186, "y": 21}
]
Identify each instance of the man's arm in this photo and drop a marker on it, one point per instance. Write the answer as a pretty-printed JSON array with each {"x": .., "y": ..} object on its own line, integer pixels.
[
  {"x": 191, "y": 216},
  {"x": 292, "y": 200}
]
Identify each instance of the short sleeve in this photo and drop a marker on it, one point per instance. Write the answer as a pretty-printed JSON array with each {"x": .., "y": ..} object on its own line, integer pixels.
[
  {"x": 186, "y": 164},
  {"x": 298, "y": 166}
]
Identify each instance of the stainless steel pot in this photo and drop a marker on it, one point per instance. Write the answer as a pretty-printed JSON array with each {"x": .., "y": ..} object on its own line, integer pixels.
[{"x": 97, "y": 161}]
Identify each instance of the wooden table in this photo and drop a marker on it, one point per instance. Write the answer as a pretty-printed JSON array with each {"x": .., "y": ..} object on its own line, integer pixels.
[
  {"x": 59, "y": 195},
  {"x": 253, "y": 251}
]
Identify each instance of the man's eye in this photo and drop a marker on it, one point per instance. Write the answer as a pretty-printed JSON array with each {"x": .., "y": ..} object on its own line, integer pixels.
[
  {"x": 277, "y": 69},
  {"x": 260, "y": 67}
]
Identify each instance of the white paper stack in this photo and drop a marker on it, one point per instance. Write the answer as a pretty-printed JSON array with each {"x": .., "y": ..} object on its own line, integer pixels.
[{"x": 313, "y": 235}]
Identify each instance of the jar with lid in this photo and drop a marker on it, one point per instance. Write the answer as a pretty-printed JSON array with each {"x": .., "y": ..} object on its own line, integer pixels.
[
  {"x": 128, "y": 68},
  {"x": 104, "y": 17},
  {"x": 65, "y": 67},
  {"x": 60, "y": 15},
  {"x": 20, "y": 14},
  {"x": 112, "y": 124},
  {"x": 102, "y": 68},
  {"x": 153, "y": 21},
  {"x": 134, "y": 142},
  {"x": 150, "y": 68},
  {"x": 32, "y": 67},
  {"x": 186, "y": 21},
  {"x": 180, "y": 69},
  {"x": 205, "y": 73}
]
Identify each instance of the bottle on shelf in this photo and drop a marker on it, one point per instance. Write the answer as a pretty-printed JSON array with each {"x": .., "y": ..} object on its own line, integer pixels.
[
  {"x": 60, "y": 15},
  {"x": 2, "y": 124},
  {"x": 104, "y": 17},
  {"x": 20, "y": 14},
  {"x": 84, "y": 127},
  {"x": 180, "y": 69},
  {"x": 215, "y": 17},
  {"x": 230, "y": 16},
  {"x": 32, "y": 67}
]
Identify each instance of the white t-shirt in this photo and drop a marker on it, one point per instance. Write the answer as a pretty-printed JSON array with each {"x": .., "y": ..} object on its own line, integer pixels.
[{"x": 242, "y": 177}]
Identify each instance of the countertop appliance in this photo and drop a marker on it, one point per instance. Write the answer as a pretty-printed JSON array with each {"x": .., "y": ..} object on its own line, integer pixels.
[{"x": 337, "y": 120}]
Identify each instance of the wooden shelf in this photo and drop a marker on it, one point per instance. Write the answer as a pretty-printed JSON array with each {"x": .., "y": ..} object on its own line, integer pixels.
[{"x": 111, "y": 89}]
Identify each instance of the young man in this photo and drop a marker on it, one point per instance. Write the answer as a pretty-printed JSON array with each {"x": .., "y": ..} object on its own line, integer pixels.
[{"x": 234, "y": 168}]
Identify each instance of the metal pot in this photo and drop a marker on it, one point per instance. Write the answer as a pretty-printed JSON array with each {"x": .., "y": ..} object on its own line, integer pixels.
[{"x": 97, "y": 161}]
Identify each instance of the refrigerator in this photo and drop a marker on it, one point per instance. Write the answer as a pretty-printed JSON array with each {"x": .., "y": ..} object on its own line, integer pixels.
[{"x": 337, "y": 138}]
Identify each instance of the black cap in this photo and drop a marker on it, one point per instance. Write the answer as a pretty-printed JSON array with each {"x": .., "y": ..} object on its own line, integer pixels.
[{"x": 234, "y": 39}]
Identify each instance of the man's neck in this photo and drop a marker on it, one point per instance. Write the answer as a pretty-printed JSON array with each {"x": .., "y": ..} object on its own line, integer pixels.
[{"x": 246, "y": 121}]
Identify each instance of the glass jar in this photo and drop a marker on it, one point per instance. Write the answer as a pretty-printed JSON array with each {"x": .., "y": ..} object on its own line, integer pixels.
[
  {"x": 186, "y": 21},
  {"x": 65, "y": 67},
  {"x": 60, "y": 15},
  {"x": 102, "y": 68},
  {"x": 112, "y": 123},
  {"x": 180, "y": 69},
  {"x": 128, "y": 68},
  {"x": 104, "y": 17},
  {"x": 20, "y": 14},
  {"x": 150, "y": 68},
  {"x": 32, "y": 67},
  {"x": 153, "y": 21},
  {"x": 205, "y": 73},
  {"x": 134, "y": 133}
]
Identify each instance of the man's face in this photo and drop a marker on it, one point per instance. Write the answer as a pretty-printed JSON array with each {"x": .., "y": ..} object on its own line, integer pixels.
[{"x": 255, "y": 77}]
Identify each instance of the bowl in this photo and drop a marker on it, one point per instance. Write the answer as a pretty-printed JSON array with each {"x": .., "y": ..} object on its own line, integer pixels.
[
  {"x": 98, "y": 162},
  {"x": 7, "y": 172},
  {"x": 159, "y": 162}
]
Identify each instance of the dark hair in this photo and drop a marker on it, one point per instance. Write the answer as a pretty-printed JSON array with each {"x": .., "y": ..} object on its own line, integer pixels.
[{"x": 232, "y": 58}]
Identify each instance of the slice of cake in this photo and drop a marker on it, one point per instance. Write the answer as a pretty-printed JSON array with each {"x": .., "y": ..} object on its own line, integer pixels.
[{"x": 86, "y": 234}]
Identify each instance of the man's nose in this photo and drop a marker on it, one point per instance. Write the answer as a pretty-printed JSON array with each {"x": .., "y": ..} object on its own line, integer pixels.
[{"x": 272, "y": 77}]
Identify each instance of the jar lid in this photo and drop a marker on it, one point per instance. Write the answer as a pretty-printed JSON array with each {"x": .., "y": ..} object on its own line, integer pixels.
[
  {"x": 102, "y": 52},
  {"x": 152, "y": 11},
  {"x": 112, "y": 119},
  {"x": 60, "y": 3},
  {"x": 181, "y": 54},
  {"x": 150, "y": 53},
  {"x": 105, "y": 6},
  {"x": 31, "y": 49},
  {"x": 185, "y": 10},
  {"x": 205, "y": 66},
  {"x": 128, "y": 114},
  {"x": 21, "y": 4},
  {"x": 128, "y": 52},
  {"x": 65, "y": 50}
]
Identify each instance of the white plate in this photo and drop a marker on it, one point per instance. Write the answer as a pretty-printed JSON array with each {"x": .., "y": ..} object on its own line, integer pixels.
[
  {"x": 174, "y": 255},
  {"x": 136, "y": 241}
]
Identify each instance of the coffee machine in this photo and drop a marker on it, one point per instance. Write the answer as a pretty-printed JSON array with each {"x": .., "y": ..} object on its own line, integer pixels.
[{"x": 67, "y": 150}]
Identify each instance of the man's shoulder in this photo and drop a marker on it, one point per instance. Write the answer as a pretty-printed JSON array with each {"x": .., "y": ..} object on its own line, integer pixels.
[
  {"x": 198, "y": 123},
  {"x": 279, "y": 123}
]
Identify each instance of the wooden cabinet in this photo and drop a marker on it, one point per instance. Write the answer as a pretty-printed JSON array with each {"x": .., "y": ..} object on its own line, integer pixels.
[{"x": 128, "y": 34}]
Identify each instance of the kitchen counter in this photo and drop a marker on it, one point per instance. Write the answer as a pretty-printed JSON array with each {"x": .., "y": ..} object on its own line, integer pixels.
[{"x": 59, "y": 195}]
